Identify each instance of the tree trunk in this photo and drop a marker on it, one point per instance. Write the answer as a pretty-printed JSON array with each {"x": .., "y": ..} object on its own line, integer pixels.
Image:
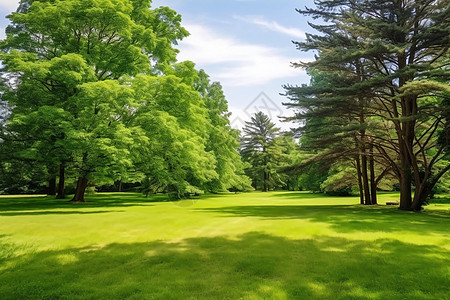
[
  {"x": 360, "y": 185},
  {"x": 405, "y": 134},
  {"x": 365, "y": 176},
  {"x": 120, "y": 186},
  {"x": 265, "y": 182},
  {"x": 420, "y": 196},
  {"x": 373, "y": 185},
  {"x": 51, "y": 186},
  {"x": 405, "y": 177},
  {"x": 405, "y": 191},
  {"x": 426, "y": 188},
  {"x": 61, "y": 182},
  {"x": 81, "y": 189}
]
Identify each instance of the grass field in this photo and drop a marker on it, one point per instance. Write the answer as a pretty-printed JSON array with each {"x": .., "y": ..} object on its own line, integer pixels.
[{"x": 279, "y": 245}]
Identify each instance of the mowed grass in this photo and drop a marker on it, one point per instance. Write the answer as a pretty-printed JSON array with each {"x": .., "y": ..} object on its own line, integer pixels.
[{"x": 278, "y": 245}]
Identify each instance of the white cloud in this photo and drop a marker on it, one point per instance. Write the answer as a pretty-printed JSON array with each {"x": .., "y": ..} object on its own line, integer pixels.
[
  {"x": 6, "y": 7},
  {"x": 9, "y": 5},
  {"x": 234, "y": 63},
  {"x": 272, "y": 25}
]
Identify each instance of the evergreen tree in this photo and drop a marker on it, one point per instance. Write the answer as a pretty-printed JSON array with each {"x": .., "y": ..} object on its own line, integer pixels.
[
  {"x": 395, "y": 53},
  {"x": 262, "y": 149}
]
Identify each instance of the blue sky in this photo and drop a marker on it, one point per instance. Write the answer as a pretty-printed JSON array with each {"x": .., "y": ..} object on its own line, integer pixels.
[{"x": 244, "y": 44}]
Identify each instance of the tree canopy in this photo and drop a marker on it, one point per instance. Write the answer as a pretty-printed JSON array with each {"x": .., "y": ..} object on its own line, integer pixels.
[
  {"x": 383, "y": 78},
  {"x": 95, "y": 94}
]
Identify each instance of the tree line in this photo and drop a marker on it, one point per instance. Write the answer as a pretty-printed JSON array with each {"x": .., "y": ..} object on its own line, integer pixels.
[
  {"x": 94, "y": 93},
  {"x": 91, "y": 91}
]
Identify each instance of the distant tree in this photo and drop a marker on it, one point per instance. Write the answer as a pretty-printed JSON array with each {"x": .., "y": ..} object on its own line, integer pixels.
[{"x": 262, "y": 149}]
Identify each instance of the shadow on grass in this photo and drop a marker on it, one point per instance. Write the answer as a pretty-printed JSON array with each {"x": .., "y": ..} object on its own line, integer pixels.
[
  {"x": 254, "y": 265},
  {"x": 440, "y": 199},
  {"x": 11, "y": 206},
  {"x": 54, "y": 212},
  {"x": 299, "y": 195},
  {"x": 346, "y": 218}
]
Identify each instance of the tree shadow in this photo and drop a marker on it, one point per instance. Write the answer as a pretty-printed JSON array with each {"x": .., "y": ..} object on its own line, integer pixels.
[
  {"x": 300, "y": 195},
  {"x": 346, "y": 218},
  {"x": 55, "y": 212},
  {"x": 252, "y": 266},
  {"x": 29, "y": 205}
]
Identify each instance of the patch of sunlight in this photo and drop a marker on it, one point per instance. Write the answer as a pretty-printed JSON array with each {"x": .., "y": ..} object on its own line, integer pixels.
[
  {"x": 317, "y": 287},
  {"x": 151, "y": 253},
  {"x": 418, "y": 222},
  {"x": 436, "y": 255},
  {"x": 181, "y": 244},
  {"x": 267, "y": 292},
  {"x": 401, "y": 236},
  {"x": 376, "y": 250},
  {"x": 65, "y": 259},
  {"x": 360, "y": 293},
  {"x": 93, "y": 248},
  {"x": 332, "y": 249}
]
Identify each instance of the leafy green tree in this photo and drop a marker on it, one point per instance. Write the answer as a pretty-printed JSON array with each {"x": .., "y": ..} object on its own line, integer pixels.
[
  {"x": 173, "y": 116},
  {"x": 223, "y": 140},
  {"x": 398, "y": 51},
  {"x": 58, "y": 57}
]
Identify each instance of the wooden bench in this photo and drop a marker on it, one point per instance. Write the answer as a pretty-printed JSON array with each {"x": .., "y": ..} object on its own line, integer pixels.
[{"x": 393, "y": 203}]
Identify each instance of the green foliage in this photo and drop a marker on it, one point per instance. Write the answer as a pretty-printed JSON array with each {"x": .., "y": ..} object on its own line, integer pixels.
[
  {"x": 265, "y": 151},
  {"x": 93, "y": 87},
  {"x": 312, "y": 177},
  {"x": 380, "y": 80}
]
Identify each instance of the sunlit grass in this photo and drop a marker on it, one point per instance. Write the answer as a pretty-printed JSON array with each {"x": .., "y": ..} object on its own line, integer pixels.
[{"x": 279, "y": 245}]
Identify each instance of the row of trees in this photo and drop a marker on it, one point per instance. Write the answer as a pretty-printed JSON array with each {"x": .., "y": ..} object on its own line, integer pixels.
[
  {"x": 379, "y": 94},
  {"x": 94, "y": 93},
  {"x": 91, "y": 92}
]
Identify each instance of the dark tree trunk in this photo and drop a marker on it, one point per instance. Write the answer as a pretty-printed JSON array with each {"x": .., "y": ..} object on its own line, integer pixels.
[
  {"x": 360, "y": 184},
  {"x": 373, "y": 185},
  {"x": 81, "y": 189},
  {"x": 365, "y": 176},
  {"x": 51, "y": 186},
  {"x": 367, "y": 200},
  {"x": 120, "y": 185},
  {"x": 405, "y": 178},
  {"x": 405, "y": 190},
  {"x": 265, "y": 182},
  {"x": 61, "y": 182},
  {"x": 405, "y": 133},
  {"x": 421, "y": 195}
]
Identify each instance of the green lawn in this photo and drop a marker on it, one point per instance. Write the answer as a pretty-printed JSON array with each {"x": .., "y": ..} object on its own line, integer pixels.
[{"x": 280, "y": 245}]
